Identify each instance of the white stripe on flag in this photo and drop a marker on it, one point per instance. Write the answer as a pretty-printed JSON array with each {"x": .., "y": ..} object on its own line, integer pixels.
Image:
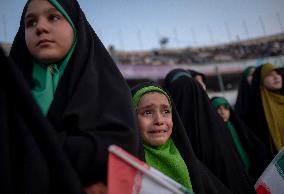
[{"x": 271, "y": 181}]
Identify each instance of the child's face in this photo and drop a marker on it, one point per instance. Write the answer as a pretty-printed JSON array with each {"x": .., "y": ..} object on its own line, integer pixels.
[
  {"x": 154, "y": 118},
  {"x": 48, "y": 34},
  {"x": 250, "y": 76},
  {"x": 223, "y": 112},
  {"x": 200, "y": 80},
  {"x": 273, "y": 81}
]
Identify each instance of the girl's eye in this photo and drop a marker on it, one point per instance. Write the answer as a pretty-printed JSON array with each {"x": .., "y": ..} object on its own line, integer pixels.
[
  {"x": 30, "y": 23},
  {"x": 54, "y": 17},
  {"x": 147, "y": 112},
  {"x": 167, "y": 111}
]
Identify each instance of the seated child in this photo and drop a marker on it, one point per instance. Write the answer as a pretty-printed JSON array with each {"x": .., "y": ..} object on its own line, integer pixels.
[
  {"x": 249, "y": 148},
  {"x": 165, "y": 143},
  {"x": 154, "y": 115}
]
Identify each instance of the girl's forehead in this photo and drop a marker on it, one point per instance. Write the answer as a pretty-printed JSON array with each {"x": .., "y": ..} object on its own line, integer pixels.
[
  {"x": 273, "y": 72},
  {"x": 223, "y": 106},
  {"x": 157, "y": 97},
  {"x": 39, "y": 6}
]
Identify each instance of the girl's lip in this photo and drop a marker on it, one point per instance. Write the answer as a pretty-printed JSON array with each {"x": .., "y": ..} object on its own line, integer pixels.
[{"x": 43, "y": 41}]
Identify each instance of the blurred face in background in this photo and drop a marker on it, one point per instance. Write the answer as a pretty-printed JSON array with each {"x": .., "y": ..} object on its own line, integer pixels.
[
  {"x": 200, "y": 80},
  {"x": 154, "y": 118},
  {"x": 250, "y": 75},
  {"x": 224, "y": 112},
  {"x": 273, "y": 81}
]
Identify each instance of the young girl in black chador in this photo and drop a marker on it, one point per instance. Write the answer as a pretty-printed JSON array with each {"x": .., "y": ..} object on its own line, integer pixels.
[
  {"x": 208, "y": 134},
  {"x": 76, "y": 85},
  {"x": 165, "y": 143},
  {"x": 250, "y": 149},
  {"x": 266, "y": 107}
]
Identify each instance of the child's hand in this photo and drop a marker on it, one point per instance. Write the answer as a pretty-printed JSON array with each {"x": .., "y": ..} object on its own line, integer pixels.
[{"x": 98, "y": 188}]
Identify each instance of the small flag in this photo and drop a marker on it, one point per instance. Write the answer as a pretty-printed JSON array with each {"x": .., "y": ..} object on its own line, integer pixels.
[
  {"x": 272, "y": 179},
  {"x": 129, "y": 175}
]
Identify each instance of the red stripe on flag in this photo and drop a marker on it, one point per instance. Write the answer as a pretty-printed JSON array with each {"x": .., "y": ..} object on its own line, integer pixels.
[{"x": 122, "y": 177}]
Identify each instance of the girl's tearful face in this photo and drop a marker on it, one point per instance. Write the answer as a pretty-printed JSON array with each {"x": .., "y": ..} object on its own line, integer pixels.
[{"x": 154, "y": 118}]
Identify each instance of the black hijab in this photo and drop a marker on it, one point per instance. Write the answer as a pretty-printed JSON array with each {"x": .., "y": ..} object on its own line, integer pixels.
[
  {"x": 208, "y": 134},
  {"x": 255, "y": 149},
  {"x": 256, "y": 117},
  {"x": 242, "y": 101},
  {"x": 92, "y": 107},
  {"x": 203, "y": 181},
  {"x": 31, "y": 157}
]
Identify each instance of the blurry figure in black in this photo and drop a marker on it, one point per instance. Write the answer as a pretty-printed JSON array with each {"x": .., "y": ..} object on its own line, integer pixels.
[{"x": 209, "y": 136}]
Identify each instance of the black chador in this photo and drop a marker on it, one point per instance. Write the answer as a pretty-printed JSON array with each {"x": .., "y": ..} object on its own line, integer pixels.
[
  {"x": 32, "y": 159},
  {"x": 208, "y": 134},
  {"x": 257, "y": 120}
]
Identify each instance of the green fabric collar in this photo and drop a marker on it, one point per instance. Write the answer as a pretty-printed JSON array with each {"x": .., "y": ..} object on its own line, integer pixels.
[
  {"x": 46, "y": 77},
  {"x": 167, "y": 159},
  {"x": 240, "y": 149}
]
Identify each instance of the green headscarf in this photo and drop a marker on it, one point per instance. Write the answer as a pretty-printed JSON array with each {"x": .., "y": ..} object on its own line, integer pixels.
[
  {"x": 166, "y": 158},
  {"x": 46, "y": 77},
  {"x": 137, "y": 96},
  {"x": 216, "y": 103}
]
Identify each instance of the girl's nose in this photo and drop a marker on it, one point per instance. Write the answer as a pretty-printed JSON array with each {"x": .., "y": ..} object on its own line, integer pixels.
[
  {"x": 41, "y": 27},
  {"x": 278, "y": 76},
  {"x": 159, "y": 119}
]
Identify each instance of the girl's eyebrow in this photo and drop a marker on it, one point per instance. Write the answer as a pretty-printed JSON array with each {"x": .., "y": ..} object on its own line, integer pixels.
[
  {"x": 30, "y": 15},
  {"x": 165, "y": 105},
  {"x": 52, "y": 9},
  {"x": 147, "y": 106},
  {"x": 49, "y": 10},
  {"x": 151, "y": 105}
]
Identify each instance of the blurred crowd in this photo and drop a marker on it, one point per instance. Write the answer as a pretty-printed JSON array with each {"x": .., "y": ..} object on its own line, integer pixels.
[{"x": 250, "y": 49}]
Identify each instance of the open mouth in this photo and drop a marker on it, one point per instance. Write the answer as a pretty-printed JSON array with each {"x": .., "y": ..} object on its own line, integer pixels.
[{"x": 157, "y": 131}]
